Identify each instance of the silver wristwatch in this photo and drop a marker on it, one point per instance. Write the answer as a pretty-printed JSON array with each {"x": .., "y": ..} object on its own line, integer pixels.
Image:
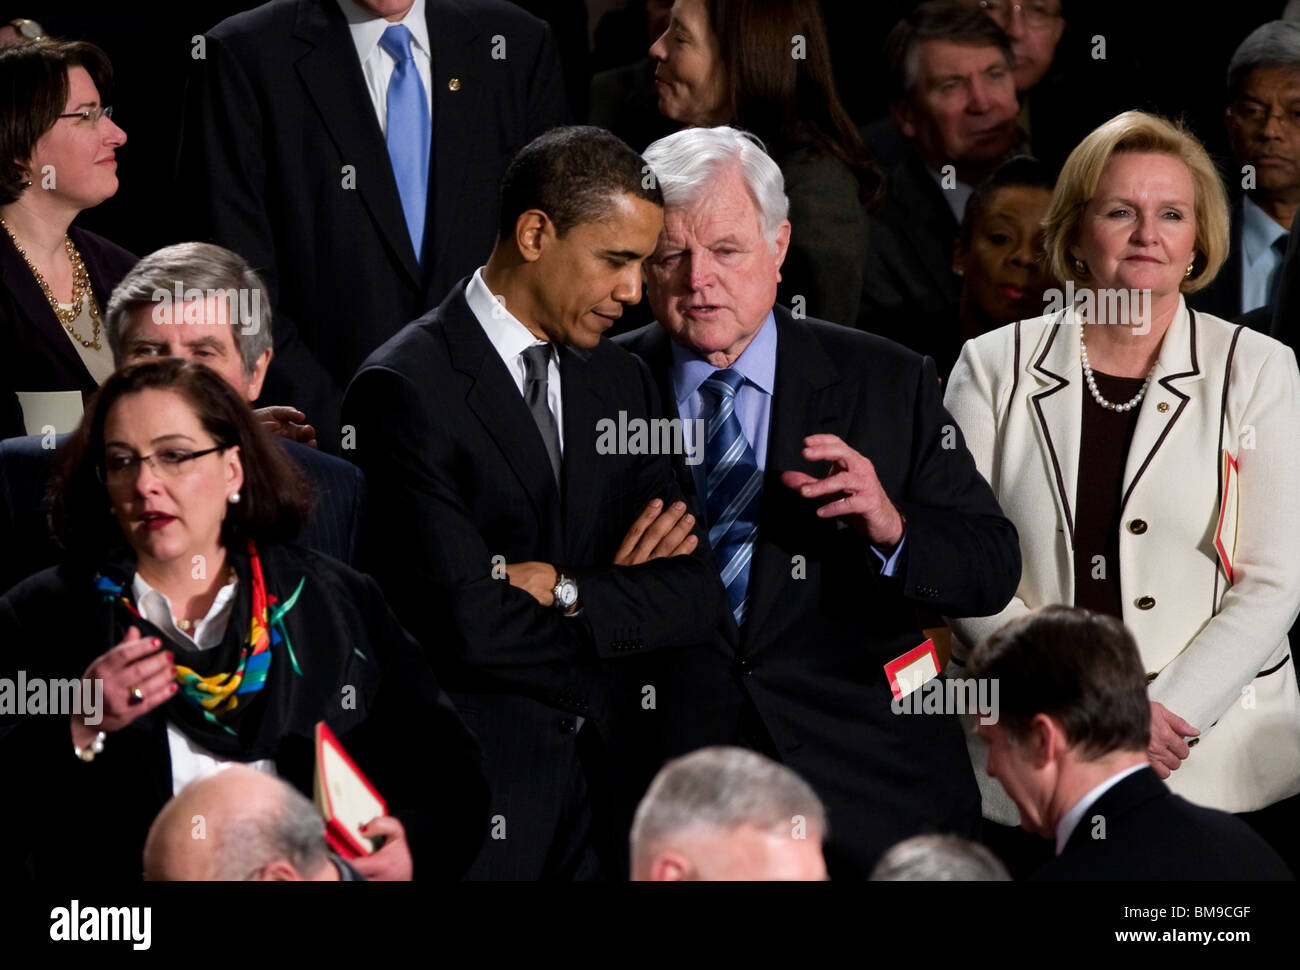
[{"x": 565, "y": 593}]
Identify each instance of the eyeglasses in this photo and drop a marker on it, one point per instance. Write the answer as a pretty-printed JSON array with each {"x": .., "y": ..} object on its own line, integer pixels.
[
  {"x": 1257, "y": 115},
  {"x": 90, "y": 116},
  {"x": 1037, "y": 14},
  {"x": 119, "y": 468}
]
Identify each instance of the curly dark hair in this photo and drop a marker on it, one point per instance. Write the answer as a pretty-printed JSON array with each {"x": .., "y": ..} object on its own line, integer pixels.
[{"x": 274, "y": 500}]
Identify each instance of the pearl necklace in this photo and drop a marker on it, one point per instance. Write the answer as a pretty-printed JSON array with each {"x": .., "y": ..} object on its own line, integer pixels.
[
  {"x": 81, "y": 291},
  {"x": 1092, "y": 382}
]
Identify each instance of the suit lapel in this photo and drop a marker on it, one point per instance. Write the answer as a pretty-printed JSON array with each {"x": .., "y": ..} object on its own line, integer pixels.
[
  {"x": 495, "y": 400},
  {"x": 454, "y": 53},
  {"x": 333, "y": 78},
  {"x": 1058, "y": 410},
  {"x": 803, "y": 375},
  {"x": 930, "y": 219},
  {"x": 1177, "y": 366},
  {"x": 26, "y": 292}
]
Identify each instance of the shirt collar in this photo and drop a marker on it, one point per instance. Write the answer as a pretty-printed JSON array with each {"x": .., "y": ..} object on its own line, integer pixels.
[
  {"x": 756, "y": 363},
  {"x": 366, "y": 28},
  {"x": 1258, "y": 231},
  {"x": 1066, "y": 826},
  {"x": 510, "y": 337},
  {"x": 157, "y": 609}
]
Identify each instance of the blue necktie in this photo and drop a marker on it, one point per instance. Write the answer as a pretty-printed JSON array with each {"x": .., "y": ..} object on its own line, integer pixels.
[
  {"x": 733, "y": 487},
  {"x": 409, "y": 132}
]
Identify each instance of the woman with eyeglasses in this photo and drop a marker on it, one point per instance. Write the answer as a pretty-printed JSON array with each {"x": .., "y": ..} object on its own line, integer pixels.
[
  {"x": 201, "y": 636},
  {"x": 57, "y": 157}
]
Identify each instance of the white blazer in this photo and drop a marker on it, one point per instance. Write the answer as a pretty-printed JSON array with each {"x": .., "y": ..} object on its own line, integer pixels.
[{"x": 1216, "y": 652}]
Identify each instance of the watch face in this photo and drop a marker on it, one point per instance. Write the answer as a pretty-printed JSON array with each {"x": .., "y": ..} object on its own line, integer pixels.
[
  {"x": 29, "y": 29},
  {"x": 567, "y": 594}
]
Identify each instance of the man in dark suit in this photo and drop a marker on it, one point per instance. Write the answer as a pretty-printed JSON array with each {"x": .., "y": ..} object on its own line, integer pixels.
[
  {"x": 955, "y": 102},
  {"x": 511, "y": 527},
  {"x": 351, "y": 152},
  {"x": 1263, "y": 108},
  {"x": 839, "y": 497},
  {"x": 1069, "y": 745},
  {"x": 223, "y": 320}
]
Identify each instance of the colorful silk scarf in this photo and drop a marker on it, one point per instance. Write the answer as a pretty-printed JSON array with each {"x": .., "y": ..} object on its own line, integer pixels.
[{"x": 217, "y": 695}]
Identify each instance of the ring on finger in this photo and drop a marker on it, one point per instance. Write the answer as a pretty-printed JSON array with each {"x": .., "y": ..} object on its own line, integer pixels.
[{"x": 134, "y": 696}]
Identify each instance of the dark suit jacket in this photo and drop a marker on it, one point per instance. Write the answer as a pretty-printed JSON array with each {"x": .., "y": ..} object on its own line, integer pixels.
[
  {"x": 1222, "y": 298},
  {"x": 1286, "y": 309},
  {"x": 460, "y": 485},
  {"x": 287, "y": 166},
  {"x": 401, "y": 729},
  {"x": 828, "y": 237},
  {"x": 338, "y": 491},
  {"x": 823, "y": 621},
  {"x": 1153, "y": 834},
  {"x": 36, "y": 353},
  {"x": 910, "y": 292}
]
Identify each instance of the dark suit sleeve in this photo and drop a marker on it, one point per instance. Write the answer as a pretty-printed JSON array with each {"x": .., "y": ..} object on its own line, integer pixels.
[
  {"x": 224, "y": 172},
  {"x": 665, "y": 602},
  {"x": 962, "y": 555},
  {"x": 548, "y": 105}
]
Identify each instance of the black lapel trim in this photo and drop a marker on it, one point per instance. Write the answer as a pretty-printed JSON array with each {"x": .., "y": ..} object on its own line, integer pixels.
[
  {"x": 1051, "y": 448},
  {"x": 1015, "y": 369},
  {"x": 1223, "y": 419},
  {"x": 1182, "y": 404},
  {"x": 1275, "y": 668}
]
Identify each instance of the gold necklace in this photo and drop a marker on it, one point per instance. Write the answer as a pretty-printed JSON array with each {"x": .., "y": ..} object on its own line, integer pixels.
[
  {"x": 186, "y": 625},
  {"x": 81, "y": 291}
]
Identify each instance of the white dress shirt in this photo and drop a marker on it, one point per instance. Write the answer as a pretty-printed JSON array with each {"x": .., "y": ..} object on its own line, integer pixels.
[
  {"x": 189, "y": 760},
  {"x": 1065, "y": 827},
  {"x": 511, "y": 338},
  {"x": 377, "y": 64}
]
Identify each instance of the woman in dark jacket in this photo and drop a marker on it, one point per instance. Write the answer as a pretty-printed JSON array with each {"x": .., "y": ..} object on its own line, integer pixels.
[
  {"x": 57, "y": 148},
  {"x": 201, "y": 637}
]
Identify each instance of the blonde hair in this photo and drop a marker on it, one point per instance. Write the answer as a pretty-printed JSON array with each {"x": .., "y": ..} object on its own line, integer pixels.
[{"x": 1137, "y": 131}]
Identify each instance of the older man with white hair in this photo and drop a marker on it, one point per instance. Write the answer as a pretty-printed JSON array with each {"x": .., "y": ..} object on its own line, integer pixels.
[
  {"x": 725, "y": 813},
  {"x": 839, "y": 498}
]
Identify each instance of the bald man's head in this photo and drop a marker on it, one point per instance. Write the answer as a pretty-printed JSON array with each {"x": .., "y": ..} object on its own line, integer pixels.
[{"x": 238, "y": 824}]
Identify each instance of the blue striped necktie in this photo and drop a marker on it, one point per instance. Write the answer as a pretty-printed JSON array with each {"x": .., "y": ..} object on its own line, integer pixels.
[
  {"x": 732, "y": 490},
  {"x": 408, "y": 132}
]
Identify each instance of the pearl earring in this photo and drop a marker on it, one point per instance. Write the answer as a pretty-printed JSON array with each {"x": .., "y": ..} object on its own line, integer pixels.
[{"x": 234, "y": 498}]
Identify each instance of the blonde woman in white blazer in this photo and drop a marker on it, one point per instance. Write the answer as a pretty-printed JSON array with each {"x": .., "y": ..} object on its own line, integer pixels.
[{"x": 1213, "y": 461}]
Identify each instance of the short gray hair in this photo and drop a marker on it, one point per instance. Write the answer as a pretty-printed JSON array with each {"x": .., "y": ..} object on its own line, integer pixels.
[
  {"x": 295, "y": 832},
  {"x": 719, "y": 789},
  {"x": 939, "y": 858},
  {"x": 201, "y": 266},
  {"x": 1275, "y": 44},
  {"x": 686, "y": 161}
]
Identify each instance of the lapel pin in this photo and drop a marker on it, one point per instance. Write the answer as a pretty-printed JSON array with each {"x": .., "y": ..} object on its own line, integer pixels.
[
  {"x": 1162, "y": 407},
  {"x": 453, "y": 84}
]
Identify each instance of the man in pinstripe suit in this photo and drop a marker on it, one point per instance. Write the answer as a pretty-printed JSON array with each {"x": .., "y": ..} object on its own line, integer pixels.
[{"x": 220, "y": 287}]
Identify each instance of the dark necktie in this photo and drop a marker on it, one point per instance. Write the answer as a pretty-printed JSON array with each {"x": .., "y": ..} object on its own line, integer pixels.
[
  {"x": 733, "y": 487},
  {"x": 536, "y": 359},
  {"x": 1279, "y": 246}
]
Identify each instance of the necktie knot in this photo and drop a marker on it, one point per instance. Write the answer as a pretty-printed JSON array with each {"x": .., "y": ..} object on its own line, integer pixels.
[
  {"x": 397, "y": 41},
  {"x": 1280, "y": 243},
  {"x": 537, "y": 359},
  {"x": 725, "y": 383}
]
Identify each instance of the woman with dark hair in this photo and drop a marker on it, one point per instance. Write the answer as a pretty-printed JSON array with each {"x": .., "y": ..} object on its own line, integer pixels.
[
  {"x": 57, "y": 146},
  {"x": 764, "y": 65},
  {"x": 999, "y": 251},
  {"x": 203, "y": 637}
]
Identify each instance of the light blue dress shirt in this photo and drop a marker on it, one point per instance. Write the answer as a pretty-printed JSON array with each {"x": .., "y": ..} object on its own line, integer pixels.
[
  {"x": 757, "y": 364},
  {"x": 1260, "y": 262}
]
